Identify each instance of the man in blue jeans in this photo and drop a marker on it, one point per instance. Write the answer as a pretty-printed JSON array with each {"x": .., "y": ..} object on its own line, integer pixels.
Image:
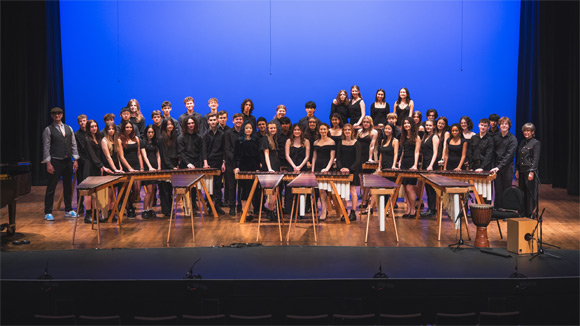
[{"x": 59, "y": 147}]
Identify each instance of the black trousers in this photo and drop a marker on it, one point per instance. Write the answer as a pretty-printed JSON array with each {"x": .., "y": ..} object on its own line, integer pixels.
[
  {"x": 502, "y": 181},
  {"x": 231, "y": 186},
  {"x": 530, "y": 190},
  {"x": 64, "y": 169},
  {"x": 217, "y": 182},
  {"x": 431, "y": 197}
]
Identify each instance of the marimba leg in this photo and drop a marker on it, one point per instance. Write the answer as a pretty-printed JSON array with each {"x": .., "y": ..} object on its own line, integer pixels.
[
  {"x": 249, "y": 201},
  {"x": 465, "y": 221},
  {"x": 260, "y": 213},
  {"x": 339, "y": 203},
  {"x": 209, "y": 199},
  {"x": 293, "y": 211},
  {"x": 188, "y": 195},
  {"x": 279, "y": 207},
  {"x": 390, "y": 203},
  {"x": 439, "y": 215},
  {"x": 173, "y": 203},
  {"x": 314, "y": 210}
]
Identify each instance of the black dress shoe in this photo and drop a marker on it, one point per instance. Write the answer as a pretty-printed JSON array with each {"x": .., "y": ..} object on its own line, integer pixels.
[
  {"x": 232, "y": 211},
  {"x": 219, "y": 210},
  {"x": 249, "y": 217},
  {"x": 427, "y": 213},
  {"x": 352, "y": 215}
]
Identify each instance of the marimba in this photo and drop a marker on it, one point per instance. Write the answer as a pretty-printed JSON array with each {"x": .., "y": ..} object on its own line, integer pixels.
[
  {"x": 269, "y": 184},
  {"x": 303, "y": 186},
  {"x": 456, "y": 188},
  {"x": 336, "y": 182},
  {"x": 480, "y": 182},
  {"x": 182, "y": 185},
  {"x": 165, "y": 175},
  {"x": 380, "y": 187},
  {"x": 89, "y": 187}
]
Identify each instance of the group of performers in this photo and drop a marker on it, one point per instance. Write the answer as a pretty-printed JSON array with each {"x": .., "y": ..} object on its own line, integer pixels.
[{"x": 395, "y": 139}]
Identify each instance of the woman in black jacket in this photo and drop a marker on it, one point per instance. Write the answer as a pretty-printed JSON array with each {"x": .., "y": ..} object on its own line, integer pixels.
[{"x": 527, "y": 167}]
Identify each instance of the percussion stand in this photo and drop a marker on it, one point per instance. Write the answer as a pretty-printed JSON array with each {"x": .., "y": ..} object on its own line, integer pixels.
[
  {"x": 460, "y": 242},
  {"x": 539, "y": 241}
]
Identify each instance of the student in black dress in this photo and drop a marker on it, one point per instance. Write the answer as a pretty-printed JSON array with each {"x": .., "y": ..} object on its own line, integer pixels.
[
  {"x": 129, "y": 148},
  {"x": 324, "y": 153},
  {"x": 152, "y": 160},
  {"x": 348, "y": 153},
  {"x": 505, "y": 146},
  {"x": 411, "y": 147},
  {"x": 429, "y": 149},
  {"x": 442, "y": 132},
  {"x": 110, "y": 159},
  {"x": 527, "y": 171},
  {"x": 214, "y": 157},
  {"x": 93, "y": 165},
  {"x": 246, "y": 158},
  {"x": 388, "y": 154},
  {"x": 169, "y": 160},
  {"x": 270, "y": 148},
  {"x": 190, "y": 149},
  {"x": 247, "y": 109},
  {"x": 297, "y": 150},
  {"x": 340, "y": 105},
  {"x": 137, "y": 118},
  {"x": 380, "y": 109},
  {"x": 466, "y": 129},
  {"x": 417, "y": 118},
  {"x": 336, "y": 125},
  {"x": 389, "y": 150},
  {"x": 311, "y": 133},
  {"x": 403, "y": 107},
  {"x": 456, "y": 150},
  {"x": 367, "y": 138},
  {"x": 481, "y": 148},
  {"x": 356, "y": 107}
]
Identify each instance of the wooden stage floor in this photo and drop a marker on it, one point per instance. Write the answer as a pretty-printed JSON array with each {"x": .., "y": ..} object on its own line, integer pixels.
[{"x": 561, "y": 228}]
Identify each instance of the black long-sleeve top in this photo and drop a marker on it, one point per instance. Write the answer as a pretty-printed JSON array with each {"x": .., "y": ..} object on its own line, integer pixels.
[
  {"x": 505, "y": 149},
  {"x": 190, "y": 150},
  {"x": 168, "y": 153},
  {"x": 340, "y": 108},
  {"x": 93, "y": 163},
  {"x": 231, "y": 137},
  {"x": 340, "y": 159},
  {"x": 213, "y": 147},
  {"x": 81, "y": 138},
  {"x": 481, "y": 151},
  {"x": 246, "y": 156},
  {"x": 529, "y": 155},
  {"x": 250, "y": 118}
]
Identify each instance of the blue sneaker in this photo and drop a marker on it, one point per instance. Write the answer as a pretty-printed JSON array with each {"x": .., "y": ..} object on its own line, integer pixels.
[
  {"x": 72, "y": 214},
  {"x": 49, "y": 217}
]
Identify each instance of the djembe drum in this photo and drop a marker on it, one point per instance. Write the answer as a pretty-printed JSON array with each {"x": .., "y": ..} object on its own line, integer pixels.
[{"x": 481, "y": 216}]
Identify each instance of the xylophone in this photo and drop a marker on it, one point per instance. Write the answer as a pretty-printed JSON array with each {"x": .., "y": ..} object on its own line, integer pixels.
[
  {"x": 340, "y": 179},
  {"x": 480, "y": 181},
  {"x": 165, "y": 175},
  {"x": 335, "y": 182}
]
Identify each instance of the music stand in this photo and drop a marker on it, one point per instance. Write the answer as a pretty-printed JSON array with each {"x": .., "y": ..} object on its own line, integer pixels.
[{"x": 460, "y": 242}]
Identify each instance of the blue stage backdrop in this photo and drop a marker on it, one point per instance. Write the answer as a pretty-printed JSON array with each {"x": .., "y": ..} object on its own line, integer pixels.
[{"x": 459, "y": 57}]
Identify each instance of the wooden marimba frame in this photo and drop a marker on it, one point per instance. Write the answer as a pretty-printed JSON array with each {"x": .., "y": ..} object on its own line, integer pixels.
[
  {"x": 165, "y": 175},
  {"x": 338, "y": 183},
  {"x": 90, "y": 187}
]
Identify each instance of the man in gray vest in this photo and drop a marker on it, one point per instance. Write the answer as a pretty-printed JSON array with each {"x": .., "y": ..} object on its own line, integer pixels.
[{"x": 59, "y": 146}]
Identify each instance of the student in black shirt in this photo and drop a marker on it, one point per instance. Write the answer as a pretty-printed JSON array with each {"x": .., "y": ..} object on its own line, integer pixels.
[
  {"x": 189, "y": 104},
  {"x": 481, "y": 148},
  {"x": 169, "y": 160},
  {"x": 232, "y": 136},
  {"x": 505, "y": 144},
  {"x": 310, "y": 108},
  {"x": 223, "y": 120},
  {"x": 190, "y": 149},
  {"x": 214, "y": 157},
  {"x": 247, "y": 108},
  {"x": 81, "y": 138}
]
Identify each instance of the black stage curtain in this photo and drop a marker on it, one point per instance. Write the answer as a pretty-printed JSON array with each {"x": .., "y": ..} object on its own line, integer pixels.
[
  {"x": 32, "y": 81},
  {"x": 548, "y": 87}
]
